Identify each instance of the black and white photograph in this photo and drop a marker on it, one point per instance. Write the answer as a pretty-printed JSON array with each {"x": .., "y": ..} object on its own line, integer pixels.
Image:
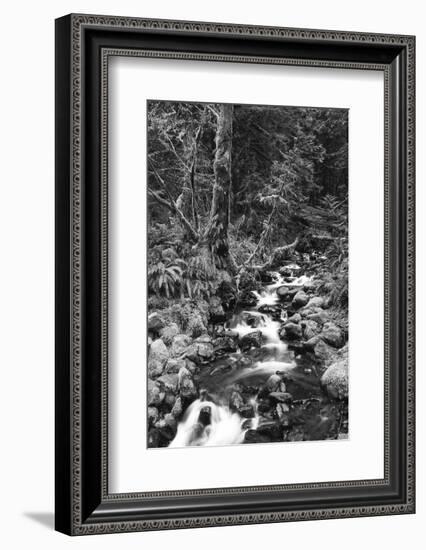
[{"x": 247, "y": 260}]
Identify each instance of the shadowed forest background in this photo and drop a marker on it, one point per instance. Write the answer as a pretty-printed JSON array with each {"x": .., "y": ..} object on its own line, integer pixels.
[{"x": 247, "y": 226}]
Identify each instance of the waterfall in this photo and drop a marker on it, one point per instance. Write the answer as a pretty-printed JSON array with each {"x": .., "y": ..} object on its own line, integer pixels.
[{"x": 207, "y": 424}]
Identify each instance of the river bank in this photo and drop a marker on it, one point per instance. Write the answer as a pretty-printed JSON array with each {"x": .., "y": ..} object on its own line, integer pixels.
[{"x": 265, "y": 360}]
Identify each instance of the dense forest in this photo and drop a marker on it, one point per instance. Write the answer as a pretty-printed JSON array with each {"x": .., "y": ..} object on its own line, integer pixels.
[{"x": 248, "y": 226}]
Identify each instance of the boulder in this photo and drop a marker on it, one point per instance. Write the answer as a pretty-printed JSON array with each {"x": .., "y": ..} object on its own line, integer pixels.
[
  {"x": 155, "y": 322},
  {"x": 316, "y": 301},
  {"x": 335, "y": 380},
  {"x": 331, "y": 334},
  {"x": 318, "y": 315},
  {"x": 168, "y": 382},
  {"x": 236, "y": 402},
  {"x": 283, "y": 293},
  {"x": 282, "y": 410},
  {"x": 179, "y": 344},
  {"x": 173, "y": 366},
  {"x": 296, "y": 318},
  {"x": 153, "y": 415},
  {"x": 155, "y": 396},
  {"x": 290, "y": 270},
  {"x": 267, "y": 277},
  {"x": 224, "y": 344},
  {"x": 187, "y": 388},
  {"x": 171, "y": 422},
  {"x": 251, "y": 340},
  {"x": 323, "y": 352},
  {"x": 274, "y": 383},
  {"x": 281, "y": 397},
  {"x": 310, "y": 329},
  {"x": 272, "y": 310},
  {"x": 201, "y": 350},
  {"x": 157, "y": 358},
  {"x": 177, "y": 408},
  {"x": 168, "y": 333},
  {"x": 247, "y": 411},
  {"x": 291, "y": 331},
  {"x": 300, "y": 299}
]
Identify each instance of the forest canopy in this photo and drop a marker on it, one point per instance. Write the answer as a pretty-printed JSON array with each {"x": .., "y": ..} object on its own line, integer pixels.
[{"x": 229, "y": 186}]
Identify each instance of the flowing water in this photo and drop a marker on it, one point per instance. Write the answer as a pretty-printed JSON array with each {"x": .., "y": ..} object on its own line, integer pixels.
[{"x": 210, "y": 420}]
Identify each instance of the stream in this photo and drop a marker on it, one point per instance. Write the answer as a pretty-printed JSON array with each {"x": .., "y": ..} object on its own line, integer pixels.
[{"x": 245, "y": 394}]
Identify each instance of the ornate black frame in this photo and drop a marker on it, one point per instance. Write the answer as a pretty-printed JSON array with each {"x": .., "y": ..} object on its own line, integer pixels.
[{"x": 83, "y": 46}]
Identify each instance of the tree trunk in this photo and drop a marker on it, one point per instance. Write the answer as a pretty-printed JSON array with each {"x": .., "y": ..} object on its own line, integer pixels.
[{"x": 216, "y": 233}]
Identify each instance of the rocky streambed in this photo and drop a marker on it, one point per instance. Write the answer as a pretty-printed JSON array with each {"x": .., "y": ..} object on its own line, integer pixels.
[{"x": 270, "y": 365}]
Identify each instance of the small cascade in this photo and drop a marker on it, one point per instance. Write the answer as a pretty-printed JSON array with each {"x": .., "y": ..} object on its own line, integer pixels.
[
  {"x": 206, "y": 424},
  {"x": 210, "y": 421}
]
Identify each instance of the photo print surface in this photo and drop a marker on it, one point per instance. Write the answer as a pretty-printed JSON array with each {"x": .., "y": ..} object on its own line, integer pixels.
[{"x": 247, "y": 274}]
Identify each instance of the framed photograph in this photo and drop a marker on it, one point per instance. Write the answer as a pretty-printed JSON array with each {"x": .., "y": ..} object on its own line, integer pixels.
[{"x": 234, "y": 274}]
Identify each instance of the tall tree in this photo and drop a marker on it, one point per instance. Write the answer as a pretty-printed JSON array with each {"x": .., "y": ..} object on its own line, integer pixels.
[{"x": 216, "y": 232}]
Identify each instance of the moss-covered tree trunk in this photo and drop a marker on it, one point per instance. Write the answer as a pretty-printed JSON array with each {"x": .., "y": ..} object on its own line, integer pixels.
[{"x": 216, "y": 233}]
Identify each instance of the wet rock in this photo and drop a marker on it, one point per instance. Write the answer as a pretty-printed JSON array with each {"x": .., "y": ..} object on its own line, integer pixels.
[
  {"x": 291, "y": 331},
  {"x": 282, "y": 410},
  {"x": 319, "y": 316},
  {"x": 155, "y": 395},
  {"x": 168, "y": 382},
  {"x": 300, "y": 299},
  {"x": 201, "y": 350},
  {"x": 157, "y": 359},
  {"x": 251, "y": 319},
  {"x": 316, "y": 301},
  {"x": 246, "y": 298},
  {"x": 273, "y": 384},
  {"x": 271, "y": 429},
  {"x": 191, "y": 366},
  {"x": 170, "y": 422},
  {"x": 331, "y": 334},
  {"x": 177, "y": 408},
  {"x": 173, "y": 366},
  {"x": 253, "y": 436},
  {"x": 272, "y": 310},
  {"x": 296, "y": 318},
  {"x": 187, "y": 388},
  {"x": 323, "y": 352},
  {"x": 205, "y": 416},
  {"x": 236, "y": 402},
  {"x": 264, "y": 405},
  {"x": 247, "y": 411},
  {"x": 153, "y": 415},
  {"x": 283, "y": 293},
  {"x": 179, "y": 344},
  {"x": 224, "y": 344},
  {"x": 290, "y": 270},
  {"x": 169, "y": 400},
  {"x": 266, "y": 277},
  {"x": 310, "y": 329},
  {"x": 335, "y": 379},
  {"x": 251, "y": 340},
  {"x": 297, "y": 347},
  {"x": 155, "y": 322},
  {"x": 281, "y": 397},
  {"x": 168, "y": 333}
]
